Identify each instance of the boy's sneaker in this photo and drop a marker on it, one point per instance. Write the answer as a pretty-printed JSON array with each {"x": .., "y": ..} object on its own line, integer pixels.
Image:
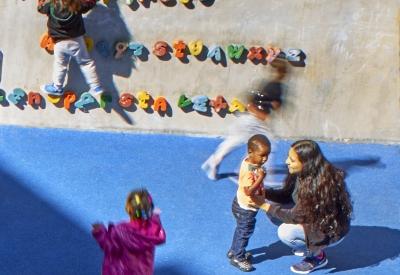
[
  {"x": 98, "y": 91},
  {"x": 243, "y": 266},
  {"x": 211, "y": 170},
  {"x": 230, "y": 254},
  {"x": 298, "y": 253},
  {"x": 51, "y": 90},
  {"x": 309, "y": 264}
]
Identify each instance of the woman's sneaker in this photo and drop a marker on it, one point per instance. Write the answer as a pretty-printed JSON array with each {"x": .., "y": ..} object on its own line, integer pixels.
[
  {"x": 298, "y": 253},
  {"x": 230, "y": 253},
  {"x": 243, "y": 266},
  {"x": 51, "y": 90},
  {"x": 309, "y": 264}
]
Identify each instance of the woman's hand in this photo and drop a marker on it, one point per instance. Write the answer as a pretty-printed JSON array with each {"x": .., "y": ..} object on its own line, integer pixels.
[{"x": 258, "y": 200}]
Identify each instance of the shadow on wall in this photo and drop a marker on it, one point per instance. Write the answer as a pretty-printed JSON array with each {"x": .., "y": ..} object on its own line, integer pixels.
[
  {"x": 364, "y": 246},
  {"x": 104, "y": 23},
  {"x": 35, "y": 238}
]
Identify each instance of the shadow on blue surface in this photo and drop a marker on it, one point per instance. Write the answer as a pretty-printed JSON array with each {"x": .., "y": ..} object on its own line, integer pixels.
[
  {"x": 37, "y": 239},
  {"x": 365, "y": 246}
]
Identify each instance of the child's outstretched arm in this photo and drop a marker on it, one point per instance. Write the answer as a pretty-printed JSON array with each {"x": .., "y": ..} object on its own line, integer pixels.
[
  {"x": 43, "y": 6},
  {"x": 87, "y": 5},
  {"x": 107, "y": 239}
]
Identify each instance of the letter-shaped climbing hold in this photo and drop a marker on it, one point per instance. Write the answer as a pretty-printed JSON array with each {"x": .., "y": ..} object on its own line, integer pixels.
[
  {"x": 120, "y": 48},
  {"x": 184, "y": 1},
  {"x": 34, "y": 98},
  {"x": 255, "y": 52},
  {"x": 142, "y": 98},
  {"x": 272, "y": 53},
  {"x": 88, "y": 43},
  {"x": 160, "y": 48},
  {"x": 16, "y": 95},
  {"x": 179, "y": 47},
  {"x": 235, "y": 51},
  {"x": 183, "y": 101},
  {"x": 195, "y": 48},
  {"x": 126, "y": 100},
  {"x": 102, "y": 47},
  {"x": 137, "y": 48},
  {"x": 69, "y": 97},
  {"x": 103, "y": 99},
  {"x": 160, "y": 103},
  {"x": 293, "y": 55},
  {"x": 47, "y": 42},
  {"x": 236, "y": 105},
  {"x": 199, "y": 103},
  {"x": 218, "y": 103},
  {"x": 54, "y": 99},
  {"x": 86, "y": 98},
  {"x": 215, "y": 52}
]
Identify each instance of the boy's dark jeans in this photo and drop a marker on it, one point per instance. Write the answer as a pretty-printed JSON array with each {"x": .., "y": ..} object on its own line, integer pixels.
[{"x": 245, "y": 224}]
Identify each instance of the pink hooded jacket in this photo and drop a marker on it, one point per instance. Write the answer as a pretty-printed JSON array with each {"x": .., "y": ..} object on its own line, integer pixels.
[{"x": 129, "y": 246}]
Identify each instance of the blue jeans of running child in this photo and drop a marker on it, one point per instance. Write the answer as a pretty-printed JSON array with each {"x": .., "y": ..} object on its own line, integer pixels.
[{"x": 245, "y": 224}]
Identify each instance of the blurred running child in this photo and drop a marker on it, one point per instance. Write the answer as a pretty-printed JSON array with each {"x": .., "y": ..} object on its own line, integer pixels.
[
  {"x": 247, "y": 124},
  {"x": 129, "y": 246}
]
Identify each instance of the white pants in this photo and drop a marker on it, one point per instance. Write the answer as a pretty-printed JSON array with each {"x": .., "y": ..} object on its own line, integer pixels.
[
  {"x": 76, "y": 48},
  {"x": 246, "y": 125}
]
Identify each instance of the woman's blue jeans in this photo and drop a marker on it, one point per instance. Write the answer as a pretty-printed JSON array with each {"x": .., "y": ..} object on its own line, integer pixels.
[{"x": 245, "y": 224}]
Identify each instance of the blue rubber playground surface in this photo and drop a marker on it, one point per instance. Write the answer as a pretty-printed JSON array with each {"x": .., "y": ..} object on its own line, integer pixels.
[{"x": 55, "y": 183}]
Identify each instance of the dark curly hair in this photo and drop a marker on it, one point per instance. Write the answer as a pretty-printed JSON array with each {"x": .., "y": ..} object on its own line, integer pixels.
[
  {"x": 323, "y": 198},
  {"x": 255, "y": 141}
]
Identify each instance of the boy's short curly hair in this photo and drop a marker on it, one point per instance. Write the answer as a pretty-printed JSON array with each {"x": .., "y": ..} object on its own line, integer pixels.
[{"x": 257, "y": 140}]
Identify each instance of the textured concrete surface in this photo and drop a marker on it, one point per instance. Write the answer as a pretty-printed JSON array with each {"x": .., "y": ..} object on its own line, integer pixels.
[{"x": 347, "y": 91}]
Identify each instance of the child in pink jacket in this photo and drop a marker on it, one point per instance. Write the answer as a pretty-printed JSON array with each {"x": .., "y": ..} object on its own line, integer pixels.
[{"x": 129, "y": 246}]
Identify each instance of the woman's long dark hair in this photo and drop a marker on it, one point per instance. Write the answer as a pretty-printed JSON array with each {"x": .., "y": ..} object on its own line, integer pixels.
[{"x": 324, "y": 200}]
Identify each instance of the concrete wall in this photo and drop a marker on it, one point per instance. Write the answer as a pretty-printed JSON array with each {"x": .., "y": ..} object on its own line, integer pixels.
[{"x": 347, "y": 91}]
